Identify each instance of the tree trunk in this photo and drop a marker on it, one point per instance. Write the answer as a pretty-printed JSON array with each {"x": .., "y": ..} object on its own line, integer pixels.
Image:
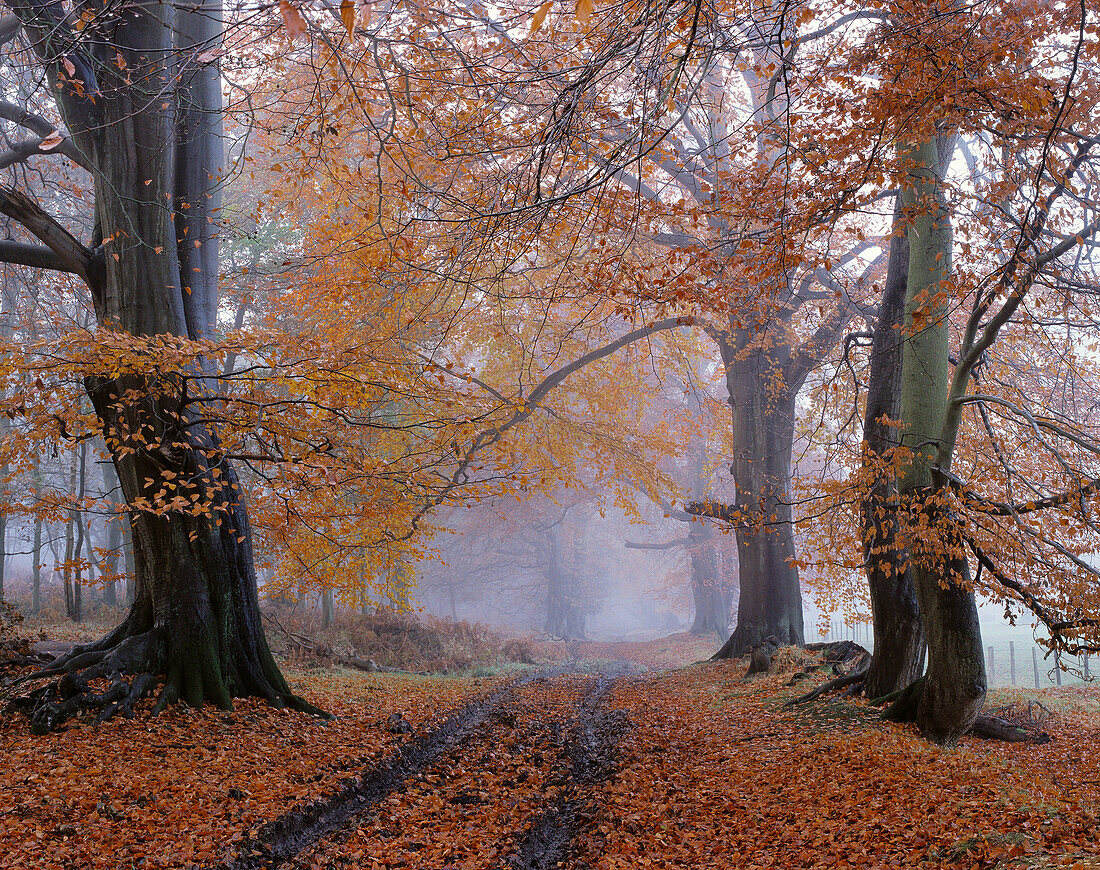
[
  {"x": 711, "y": 607},
  {"x": 728, "y": 579},
  {"x": 565, "y": 615},
  {"x": 111, "y": 559},
  {"x": 955, "y": 684},
  {"x": 898, "y": 657},
  {"x": 77, "y": 557},
  {"x": 36, "y": 568},
  {"x": 159, "y": 167},
  {"x": 113, "y": 529},
  {"x": 128, "y": 560},
  {"x": 557, "y": 603},
  {"x": 762, "y": 402},
  {"x": 196, "y": 613},
  {"x": 7, "y": 329},
  {"x": 328, "y": 607},
  {"x": 67, "y": 567}
]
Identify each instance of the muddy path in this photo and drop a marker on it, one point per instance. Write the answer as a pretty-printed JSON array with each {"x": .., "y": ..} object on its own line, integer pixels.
[
  {"x": 590, "y": 752},
  {"x": 504, "y": 782}
]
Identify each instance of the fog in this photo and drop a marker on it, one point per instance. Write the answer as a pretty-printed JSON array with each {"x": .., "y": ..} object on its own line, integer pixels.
[{"x": 501, "y": 565}]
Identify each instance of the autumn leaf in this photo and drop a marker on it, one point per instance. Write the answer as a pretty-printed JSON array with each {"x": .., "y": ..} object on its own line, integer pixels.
[
  {"x": 292, "y": 18},
  {"x": 585, "y": 8},
  {"x": 347, "y": 16},
  {"x": 540, "y": 16},
  {"x": 52, "y": 141}
]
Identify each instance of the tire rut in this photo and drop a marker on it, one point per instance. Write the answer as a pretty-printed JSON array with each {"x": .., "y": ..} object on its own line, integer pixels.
[
  {"x": 549, "y": 839},
  {"x": 282, "y": 839},
  {"x": 511, "y": 787}
]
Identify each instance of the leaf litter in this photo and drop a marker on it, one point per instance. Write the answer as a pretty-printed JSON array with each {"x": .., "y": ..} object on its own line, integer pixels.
[{"x": 710, "y": 772}]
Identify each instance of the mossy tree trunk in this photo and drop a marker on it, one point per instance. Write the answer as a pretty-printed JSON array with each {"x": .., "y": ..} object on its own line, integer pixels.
[
  {"x": 152, "y": 267},
  {"x": 954, "y": 685}
]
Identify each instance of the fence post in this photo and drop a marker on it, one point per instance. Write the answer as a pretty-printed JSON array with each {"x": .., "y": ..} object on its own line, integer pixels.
[
  {"x": 1012, "y": 662},
  {"x": 1035, "y": 664}
]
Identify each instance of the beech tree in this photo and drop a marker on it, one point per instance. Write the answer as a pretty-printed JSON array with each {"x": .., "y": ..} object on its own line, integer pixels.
[
  {"x": 139, "y": 96},
  {"x": 139, "y": 93},
  {"x": 968, "y": 409},
  {"x": 712, "y": 557},
  {"x": 765, "y": 296}
]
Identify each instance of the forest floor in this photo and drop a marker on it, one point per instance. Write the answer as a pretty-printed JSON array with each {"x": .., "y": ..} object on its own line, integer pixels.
[{"x": 623, "y": 755}]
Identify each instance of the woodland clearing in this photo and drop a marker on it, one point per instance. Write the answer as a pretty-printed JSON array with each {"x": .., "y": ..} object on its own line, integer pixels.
[{"x": 620, "y": 755}]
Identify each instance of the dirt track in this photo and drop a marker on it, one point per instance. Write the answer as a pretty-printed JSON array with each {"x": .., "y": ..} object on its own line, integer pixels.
[{"x": 505, "y": 782}]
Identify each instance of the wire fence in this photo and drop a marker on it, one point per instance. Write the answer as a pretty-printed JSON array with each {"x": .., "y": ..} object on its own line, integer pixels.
[{"x": 1012, "y": 658}]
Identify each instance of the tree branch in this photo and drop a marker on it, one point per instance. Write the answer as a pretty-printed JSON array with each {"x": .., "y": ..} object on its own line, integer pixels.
[
  {"x": 73, "y": 256},
  {"x": 34, "y": 256},
  {"x": 1054, "y": 622},
  {"x": 715, "y": 510},
  {"x": 527, "y": 406},
  {"x": 9, "y": 28},
  {"x": 666, "y": 545}
]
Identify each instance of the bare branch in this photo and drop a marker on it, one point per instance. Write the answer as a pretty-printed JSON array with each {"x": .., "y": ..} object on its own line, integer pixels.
[
  {"x": 35, "y": 256},
  {"x": 666, "y": 545},
  {"x": 73, "y": 255}
]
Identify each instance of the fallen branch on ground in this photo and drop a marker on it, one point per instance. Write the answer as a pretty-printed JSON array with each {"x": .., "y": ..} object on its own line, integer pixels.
[{"x": 319, "y": 650}]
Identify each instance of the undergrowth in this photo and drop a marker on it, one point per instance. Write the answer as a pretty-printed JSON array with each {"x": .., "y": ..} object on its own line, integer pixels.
[{"x": 412, "y": 642}]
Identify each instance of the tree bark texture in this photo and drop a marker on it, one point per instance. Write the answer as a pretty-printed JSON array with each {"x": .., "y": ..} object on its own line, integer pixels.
[
  {"x": 955, "y": 683},
  {"x": 762, "y": 395},
  {"x": 899, "y": 648},
  {"x": 196, "y": 609},
  {"x": 158, "y": 166}
]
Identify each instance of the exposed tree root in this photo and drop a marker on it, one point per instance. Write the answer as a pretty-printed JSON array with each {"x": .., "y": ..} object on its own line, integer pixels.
[
  {"x": 140, "y": 656},
  {"x": 838, "y": 655},
  {"x": 850, "y": 681},
  {"x": 68, "y": 691},
  {"x": 50, "y": 706},
  {"x": 903, "y": 708}
]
